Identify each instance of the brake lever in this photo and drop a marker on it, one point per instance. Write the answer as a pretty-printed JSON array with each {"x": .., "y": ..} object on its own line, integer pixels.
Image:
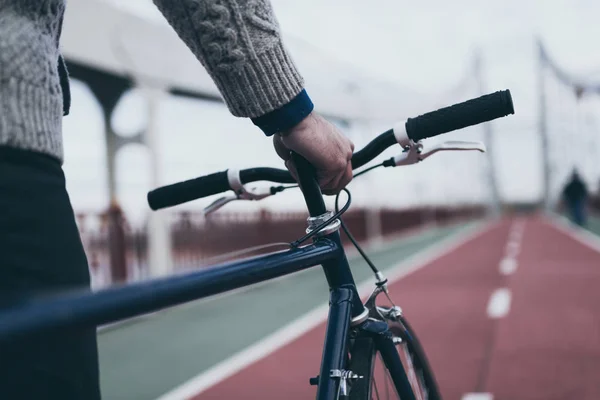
[
  {"x": 409, "y": 156},
  {"x": 415, "y": 152},
  {"x": 455, "y": 145},
  {"x": 243, "y": 193},
  {"x": 215, "y": 205}
]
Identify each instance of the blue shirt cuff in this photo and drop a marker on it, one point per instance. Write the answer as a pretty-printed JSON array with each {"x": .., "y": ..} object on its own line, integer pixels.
[{"x": 287, "y": 116}]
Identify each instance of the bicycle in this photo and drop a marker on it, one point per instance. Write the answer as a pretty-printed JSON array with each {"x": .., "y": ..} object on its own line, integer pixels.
[{"x": 364, "y": 342}]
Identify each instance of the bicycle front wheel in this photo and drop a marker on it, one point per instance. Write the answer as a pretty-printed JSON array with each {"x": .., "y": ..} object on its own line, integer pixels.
[{"x": 390, "y": 369}]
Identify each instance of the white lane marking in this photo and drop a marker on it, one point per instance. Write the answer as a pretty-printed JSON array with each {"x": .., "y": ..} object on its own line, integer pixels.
[
  {"x": 519, "y": 221},
  {"x": 516, "y": 235},
  {"x": 312, "y": 319},
  {"x": 499, "y": 303},
  {"x": 514, "y": 238},
  {"x": 508, "y": 266},
  {"x": 518, "y": 227},
  {"x": 512, "y": 249},
  {"x": 478, "y": 396},
  {"x": 582, "y": 235}
]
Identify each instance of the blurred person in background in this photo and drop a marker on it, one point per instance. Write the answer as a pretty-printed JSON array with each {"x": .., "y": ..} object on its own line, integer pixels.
[
  {"x": 575, "y": 195},
  {"x": 239, "y": 44}
]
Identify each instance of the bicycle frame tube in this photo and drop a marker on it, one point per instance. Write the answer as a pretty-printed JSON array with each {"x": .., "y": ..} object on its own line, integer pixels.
[
  {"x": 337, "y": 271},
  {"x": 335, "y": 349},
  {"x": 92, "y": 309},
  {"x": 345, "y": 302}
]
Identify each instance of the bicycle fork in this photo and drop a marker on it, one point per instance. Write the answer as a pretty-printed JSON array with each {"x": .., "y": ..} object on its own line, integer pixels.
[
  {"x": 333, "y": 379},
  {"x": 339, "y": 380}
]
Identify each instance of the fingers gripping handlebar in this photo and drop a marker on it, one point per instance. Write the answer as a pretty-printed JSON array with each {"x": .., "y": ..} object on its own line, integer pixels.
[{"x": 462, "y": 115}]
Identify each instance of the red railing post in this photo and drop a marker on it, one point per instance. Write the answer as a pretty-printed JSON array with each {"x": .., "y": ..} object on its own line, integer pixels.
[{"x": 117, "y": 243}]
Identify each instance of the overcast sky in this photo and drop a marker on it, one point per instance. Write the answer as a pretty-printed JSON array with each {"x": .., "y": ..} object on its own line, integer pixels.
[{"x": 427, "y": 47}]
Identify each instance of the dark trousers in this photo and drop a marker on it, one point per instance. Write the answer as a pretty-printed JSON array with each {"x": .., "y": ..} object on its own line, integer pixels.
[
  {"x": 41, "y": 255},
  {"x": 577, "y": 209}
]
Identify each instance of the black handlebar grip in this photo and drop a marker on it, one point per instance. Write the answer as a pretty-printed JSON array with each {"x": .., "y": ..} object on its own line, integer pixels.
[
  {"x": 178, "y": 193},
  {"x": 472, "y": 112}
]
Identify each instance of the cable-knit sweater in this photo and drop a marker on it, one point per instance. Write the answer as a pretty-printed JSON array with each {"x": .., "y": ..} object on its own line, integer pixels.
[{"x": 237, "y": 41}]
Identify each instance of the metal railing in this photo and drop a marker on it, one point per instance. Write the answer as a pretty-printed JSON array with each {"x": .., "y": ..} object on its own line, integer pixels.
[{"x": 118, "y": 252}]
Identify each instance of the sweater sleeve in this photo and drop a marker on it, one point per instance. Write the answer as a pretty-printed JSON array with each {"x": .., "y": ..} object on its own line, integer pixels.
[{"x": 239, "y": 43}]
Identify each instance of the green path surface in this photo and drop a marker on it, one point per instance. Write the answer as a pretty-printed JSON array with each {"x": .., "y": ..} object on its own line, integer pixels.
[
  {"x": 593, "y": 222},
  {"x": 594, "y": 225},
  {"x": 146, "y": 359}
]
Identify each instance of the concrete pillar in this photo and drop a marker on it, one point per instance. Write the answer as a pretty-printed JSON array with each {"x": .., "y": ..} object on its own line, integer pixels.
[
  {"x": 373, "y": 226},
  {"x": 160, "y": 260},
  {"x": 495, "y": 202},
  {"x": 543, "y": 131},
  {"x": 117, "y": 244}
]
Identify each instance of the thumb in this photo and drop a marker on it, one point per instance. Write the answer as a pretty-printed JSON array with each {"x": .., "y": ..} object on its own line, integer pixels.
[
  {"x": 289, "y": 164},
  {"x": 283, "y": 152}
]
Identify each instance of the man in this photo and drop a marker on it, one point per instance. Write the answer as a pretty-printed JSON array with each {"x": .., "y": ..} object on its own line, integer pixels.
[
  {"x": 575, "y": 196},
  {"x": 238, "y": 42}
]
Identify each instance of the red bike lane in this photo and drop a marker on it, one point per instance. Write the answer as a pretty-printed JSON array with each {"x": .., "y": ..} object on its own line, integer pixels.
[
  {"x": 548, "y": 346},
  {"x": 446, "y": 305},
  {"x": 445, "y": 301},
  {"x": 544, "y": 343}
]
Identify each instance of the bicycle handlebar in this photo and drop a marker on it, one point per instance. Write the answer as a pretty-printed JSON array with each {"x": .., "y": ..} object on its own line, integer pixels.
[
  {"x": 472, "y": 112},
  {"x": 462, "y": 115},
  {"x": 204, "y": 186}
]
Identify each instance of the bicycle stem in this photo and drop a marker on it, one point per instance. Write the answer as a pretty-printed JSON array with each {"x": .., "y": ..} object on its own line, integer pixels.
[{"x": 337, "y": 272}]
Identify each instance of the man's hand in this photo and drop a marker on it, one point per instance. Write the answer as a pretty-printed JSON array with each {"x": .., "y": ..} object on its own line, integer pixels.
[{"x": 324, "y": 146}]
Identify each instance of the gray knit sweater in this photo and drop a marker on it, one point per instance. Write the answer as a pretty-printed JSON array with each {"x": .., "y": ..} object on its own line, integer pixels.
[{"x": 237, "y": 41}]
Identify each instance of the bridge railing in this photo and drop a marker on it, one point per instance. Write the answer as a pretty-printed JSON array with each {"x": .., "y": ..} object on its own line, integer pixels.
[{"x": 118, "y": 251}]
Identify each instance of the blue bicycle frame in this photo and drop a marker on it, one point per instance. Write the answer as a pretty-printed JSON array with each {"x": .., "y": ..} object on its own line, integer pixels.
[{"x": 76, "y": 310}]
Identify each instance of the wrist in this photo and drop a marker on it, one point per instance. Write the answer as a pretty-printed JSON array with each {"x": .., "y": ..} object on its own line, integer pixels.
[
  {"x": 284, "y": 119},
  {"x": 300, "y": 126}
]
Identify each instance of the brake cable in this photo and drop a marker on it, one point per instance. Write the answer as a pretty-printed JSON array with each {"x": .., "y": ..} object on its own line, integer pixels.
[
  {"x": 319, "y": 228},
  {"x": 355, "y": 243},
  {"x": 380, "y": 280},
  {"x": 278, "y": 189}
]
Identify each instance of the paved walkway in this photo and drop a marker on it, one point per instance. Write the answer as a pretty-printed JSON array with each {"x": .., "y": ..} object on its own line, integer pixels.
[
  {"x": 152, "y": 356},
  {"x": 511, "y": 314}
]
